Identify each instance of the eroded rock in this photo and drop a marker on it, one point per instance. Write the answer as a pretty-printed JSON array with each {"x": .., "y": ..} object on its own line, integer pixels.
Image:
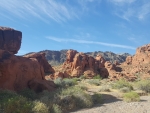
[{"x": 10, "y": 39}]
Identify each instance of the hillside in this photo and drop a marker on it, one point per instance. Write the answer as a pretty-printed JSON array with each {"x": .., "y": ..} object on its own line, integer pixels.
[{"x": 58, "y": 57}]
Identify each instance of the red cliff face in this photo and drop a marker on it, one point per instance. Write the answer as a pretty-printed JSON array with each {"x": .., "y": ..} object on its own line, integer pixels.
[{"x": 16, "y": 72}]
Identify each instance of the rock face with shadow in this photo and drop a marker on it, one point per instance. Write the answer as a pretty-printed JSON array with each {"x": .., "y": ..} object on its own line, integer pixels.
[
  {"x": 17, "y": 72},
  {"x": 42, "y": 60},
  {"x": 10, "y": 39}
]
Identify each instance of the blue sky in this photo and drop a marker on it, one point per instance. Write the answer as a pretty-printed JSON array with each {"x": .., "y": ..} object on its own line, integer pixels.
[{"x": 85, "y": 25}]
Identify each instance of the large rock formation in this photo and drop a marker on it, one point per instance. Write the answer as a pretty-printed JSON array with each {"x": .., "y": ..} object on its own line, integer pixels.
[
  {"x": 17, "y": 72},
  {"x": 139, "y": 64},
  {"x": 42, "y": 60},
  {"x": 10, "y": 39},
  {"x": 78, "y": 64}
]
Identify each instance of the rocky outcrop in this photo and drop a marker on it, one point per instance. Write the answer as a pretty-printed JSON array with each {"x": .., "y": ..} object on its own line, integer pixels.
[
  {"x": 17, "y": 72},
  {"x": 78, "y": 64},
  {"x": 42, "y": 60},
  {"x": 138, "y": 64},
  {"x": 10, "y": 39}
]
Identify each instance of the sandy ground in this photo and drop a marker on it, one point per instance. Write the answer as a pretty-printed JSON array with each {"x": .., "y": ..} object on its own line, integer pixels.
[{"x": 115, "y": 105}]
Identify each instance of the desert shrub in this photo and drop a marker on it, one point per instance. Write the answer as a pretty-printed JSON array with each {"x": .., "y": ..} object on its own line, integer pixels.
[
  {"x": 144, "y": 85},
  {"x": 94, "y": 82},
  {"x": 82, "y": 77},
  {"x": 66, "y": 99},
  {"x": 16, "y": 104},
  {"x": 69, "y": 82},
  {"x": 28, "y": 93},
  {"x": 65, "y": 82},
  {"x": 56, "y": 109},
  {"x": 76, "y": 79},
  {"x": 97, "y": 77},
  {"x": 59, "y": 82},
  {"x": 72, "y": 98},
  {"x": 83, "y": 86},
  {"x": 104, "y": 89},
  {"x": 39, "y": 107},
  {"x": 97, "y": 98},
  {"x": 131, "y": 97},
  {"x": 121, "y": 84},
  {"x": 5, "y": 95},
  {"x": 125, "y": 89}
]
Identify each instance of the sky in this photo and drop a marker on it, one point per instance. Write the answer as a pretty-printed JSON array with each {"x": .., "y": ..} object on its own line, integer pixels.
[{"x": 119, "y": 26}]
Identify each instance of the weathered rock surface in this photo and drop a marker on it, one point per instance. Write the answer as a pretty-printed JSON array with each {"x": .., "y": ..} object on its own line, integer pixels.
[
  {"x": 139, "y": 64},
  {"x": 17, "y": 73},
  {"x": 42, "y": 60},
  {"x": 10, "y": 39},
  {"x": 78, "y": 64}
]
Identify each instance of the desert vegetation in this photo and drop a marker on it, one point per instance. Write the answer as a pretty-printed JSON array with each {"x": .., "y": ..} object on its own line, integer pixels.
[{"x": 71, "y": 94}]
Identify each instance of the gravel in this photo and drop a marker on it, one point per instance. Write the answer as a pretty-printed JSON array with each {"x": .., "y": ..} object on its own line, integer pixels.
[{"x": 114, "y": 105}]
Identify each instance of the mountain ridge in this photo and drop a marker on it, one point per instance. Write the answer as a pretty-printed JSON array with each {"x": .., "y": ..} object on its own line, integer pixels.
[{"x": 55, "y": 57}]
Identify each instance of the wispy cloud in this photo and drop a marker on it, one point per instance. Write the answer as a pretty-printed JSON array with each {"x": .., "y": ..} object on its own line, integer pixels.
[
  {"x": 121, "y": 2},
  {"x": 49, "y": 9},
  {"x": 144, "y": 11},
  {"x": 90, "y": 42},
  {"x": 131, "y": 9}
]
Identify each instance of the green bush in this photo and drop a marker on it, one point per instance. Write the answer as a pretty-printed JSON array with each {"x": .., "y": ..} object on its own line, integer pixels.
[
  {"x": 28, "y": 93},
  {"x": 125, "y": 89},
  {"x": 17, "y": 104},
  {"x": 59, "y": 82},
  {"x": 65, "y": 82},
  {"x": 144, "y": 85},
  {"x": 131, "y": 97},
  {"x": 94, "y": 82},
  {"x": 121, "y": 84},
  {"x": 97, "y": 98},
  {"x": 104, "y": 89},
  {"x": 69, "y": 82},
  {"x": 82, "y": 77},
  {"x": 56, "y": 109},
  {"x": 39, "y": 107},
  {"x": 70, "y": 98},
  {"x": 5, "y": 95},
  {"x": 97, "y": 77}
]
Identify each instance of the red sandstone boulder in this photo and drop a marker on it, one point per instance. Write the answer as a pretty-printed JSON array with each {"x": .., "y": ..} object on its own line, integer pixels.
[
  {"x": 10, "y": 39},
  {"x": 17, "y": 73},
  {"x": 42, "y": 60}
]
